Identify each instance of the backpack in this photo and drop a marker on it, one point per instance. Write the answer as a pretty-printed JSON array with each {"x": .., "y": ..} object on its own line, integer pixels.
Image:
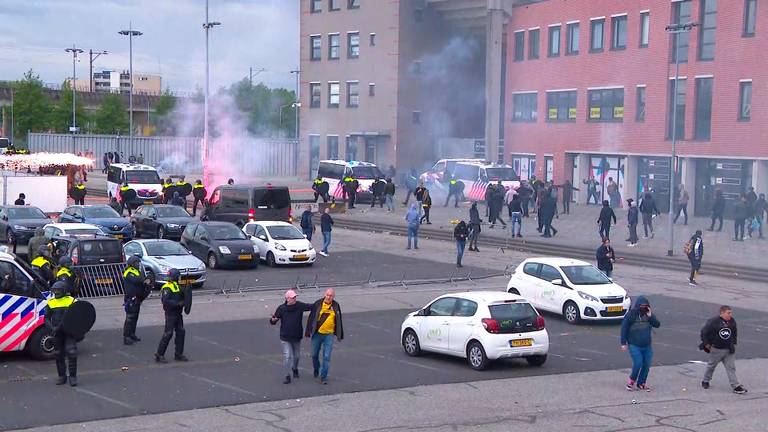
[{"x": 688, "y": 248}]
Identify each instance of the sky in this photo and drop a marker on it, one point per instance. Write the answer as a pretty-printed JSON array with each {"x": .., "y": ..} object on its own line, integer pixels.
[{"x": 254, "y": 33}]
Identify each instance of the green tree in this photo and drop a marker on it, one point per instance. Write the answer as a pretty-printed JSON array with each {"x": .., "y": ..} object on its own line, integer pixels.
[
  {"x": 61, "y": 115},
  {"x": 262, "y": 106},
  {"x": 112, "y": 116},
  {"x": 31, "y": 106},
  {"x": 163, "y": 114}
]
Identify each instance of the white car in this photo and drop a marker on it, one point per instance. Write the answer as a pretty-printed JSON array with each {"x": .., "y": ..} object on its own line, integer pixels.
[
  {"x": 480, "y": 326},
  {"x": 280, "y": 243},
  {"x": 576, "y": 289},
  {"x": 71, "y": 229}
]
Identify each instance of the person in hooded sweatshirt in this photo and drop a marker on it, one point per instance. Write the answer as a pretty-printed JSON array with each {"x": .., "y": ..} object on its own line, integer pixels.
[
  {"x": 460, "y": 233},
  {"x": 474, "y": 226},
  {"x": 636, "y": 329},
  {"x": 414, "y": 220}
]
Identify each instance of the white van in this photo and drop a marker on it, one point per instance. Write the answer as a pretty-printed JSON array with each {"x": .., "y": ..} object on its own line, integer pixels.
[
  {"x": 141, "y": 178},
  {"x": 334, "y": 171},
  {"x": 441, "y": 171},
  {"x": 476, "y": 177}
]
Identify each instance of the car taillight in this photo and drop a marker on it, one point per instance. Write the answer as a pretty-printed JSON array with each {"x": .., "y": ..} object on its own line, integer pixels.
[
  {"x": 290, "y": 214},
  {"x": 251, "y": 214},
  {"x": 491, "y": 325},
  {"x": 539, "y": 322},
  {"x": 75, "y": 256}
]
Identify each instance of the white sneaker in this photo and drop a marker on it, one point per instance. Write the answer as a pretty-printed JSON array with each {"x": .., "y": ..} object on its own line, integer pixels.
[{"x": 323, "y": 253}]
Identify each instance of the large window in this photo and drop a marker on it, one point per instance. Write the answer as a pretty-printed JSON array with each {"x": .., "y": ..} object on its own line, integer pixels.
[
  {"x": 606, "y": 104},
  {"x": 619, "y": 32},
  {"x": 520, "y": 45},
  {"x": 676, "y": 115},
  {"x": 640, "y": 104},
  {"x": 572, "y": 39},
  {"x": 353, "y": 94},
  {"x": 533, "y": 44},
  {"x": 554, "y": 41},
  {"x": 314, "y": 156},
  {"x": 707, "y": 31},
  {"x": 334, "y": 94},
  {"x": 353, "y": 4},
  {"x": 315, "y": 93},
  {"x": 316, "y": 45},
  {"x": 597, "y": 35},
  {"x": 645, "y": 28},
  {"x": 333, "y": 5},
  {"x": 315, "y": 5},
  {"x": 524, "y": 107},
  {"x": 561, "y": 106},
  {"x": 334, "y": 46},
  {"x": 745, "y": 100},
  {"x": 333, "y": 147},
  {"x": 353, "y": 45},
  {"x": 703, "y": 121},
  {"x": 750, "y": 17},
  {"x": 681, "y": 14}
]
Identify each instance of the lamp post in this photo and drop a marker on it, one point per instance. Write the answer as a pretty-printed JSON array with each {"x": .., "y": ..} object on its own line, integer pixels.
[
  {"x": 675, "y": 30},
  {"x": 73, "y": 129},
  {"x": 93, "y": 57},
  {"x": 130, "y": 33},
  {"x": 295, "y": 105},
  {"x": 252, "y": 73},
  {"x": 207, "y": 26}
]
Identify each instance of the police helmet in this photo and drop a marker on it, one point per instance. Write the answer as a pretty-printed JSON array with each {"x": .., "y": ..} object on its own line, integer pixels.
[
  {"x": 174, "y": 274},
  {"x": 134, "y": 261},
  {"x": 65, "y": 261},
  {"x": 59, "y": 287}
]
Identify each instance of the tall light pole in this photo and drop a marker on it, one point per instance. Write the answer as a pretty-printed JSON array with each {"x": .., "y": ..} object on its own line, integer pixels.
[
  {"x": 675, "y": 30},
  {"x": 94, "y": 56},
  {"x": 130, "y": 33},
  {"x": 73, "y": 129},
  {"x": 252, "y": 73},
  {"x": 207, "y": 26}
]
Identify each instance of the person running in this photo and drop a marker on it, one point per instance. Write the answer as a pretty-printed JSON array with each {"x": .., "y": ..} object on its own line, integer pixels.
[
  {"x": 694, "y": 249},
  {"x": 636, "y": 329},
  {"x": 324, "y": 323},
  {"x": 682, "y": 204},
  {"x": 606, "y": 215},
  {"x": 426, "y": 204},
  {"x": 291, "y": 316},
  {"x": 460, "y": 233},
  {"x": 718, "y": 340}
]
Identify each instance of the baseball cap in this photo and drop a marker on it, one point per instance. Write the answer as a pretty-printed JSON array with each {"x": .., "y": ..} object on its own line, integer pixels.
[{"x": 290, "y": 294}]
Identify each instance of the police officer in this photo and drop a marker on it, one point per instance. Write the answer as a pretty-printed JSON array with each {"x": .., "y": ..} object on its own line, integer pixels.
[
  {"x": 168, "y": 189},
  {"x": 199, "y": 193},
  {"x": 65, "y": 345},
  {"x": 137, "y": 288},
  {"x": 173, "y": 305},
  {"x": 126, "y": 196},
  {"x": 320, "y": 187},
  {"x": 377, "y": 188},
  {"x": 350, "y": 189},
  {"x": 65, "y": 274},
  {"x": 42, "y": 264},
  {"x": 453, "y": 191},
  {"x": 184, "y": 189},
  {"x": 78, "y": 193}
]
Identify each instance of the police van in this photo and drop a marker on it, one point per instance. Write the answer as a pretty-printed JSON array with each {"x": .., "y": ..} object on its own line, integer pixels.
[
  {"x": 442, "y": 170},
  {"x": 143, "y": 179},
  {"x": 476, "y": 177},
  {"x": 334, "y": 172},
  {"x": 23, "y": 297}
]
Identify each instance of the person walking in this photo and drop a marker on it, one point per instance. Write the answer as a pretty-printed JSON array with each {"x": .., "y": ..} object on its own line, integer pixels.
[
  {"x": 592, "y": 185},
  {"x": 718, "y": 208},
  {"x": 426, "y": 204},
  {"x": 290, "y": 314},
  {"x": 460, "y": 233},
  {"x": 682, "y": 204},
  {"x": 718, "y": 339},
  {"x": 547, "y": 210},
  {"x": 633, "y": 214},
  {"x": 198, "y": 193},
  {"x": 606, "y": 257},
  {"x": 516, "y": 216},
  {"x": 137, "y": 289},
  {"x": 636, "y": 329},
  {"x": 172, "y": 298},
  {"x": 474, "y": 226},
  {"x": 740, "y": 215},
  {"x": 606, "y": 215},
  {"x": 694, "y": 250},
  {"x": 324, "y": 323},
  {"x": 498, "y": 201},
  {"x": 307, "y": 226},
  {"x": 413, "y": 220},
  {"x": 567, "y": 188},
  {"x": 612, "y": 189},
  {"x": 648, "y": 210},
  {"x": 418, "y": 193},
  {"x": 326, "y": 225},
  {"x": 759, "y": 211},
  {"x": 389, "y": 195}
]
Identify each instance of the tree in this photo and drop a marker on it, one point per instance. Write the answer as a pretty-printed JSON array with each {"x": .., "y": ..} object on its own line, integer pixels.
[
  {"x": 31, "y": 107},
  {"x": 263, "y": 106},
  {"x": 61, "y": 115},
  {"x": 112, "y": 116},
  {"x": 163, "y": 113}
]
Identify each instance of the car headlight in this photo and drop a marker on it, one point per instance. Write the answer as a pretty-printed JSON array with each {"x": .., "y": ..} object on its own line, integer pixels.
[
  {"x": 201, "y": 267},
  {"x": 224, "y": 250},
  {"x": 626, "y": 296},
  {"x": 587, "y": 297},
  {"x": 174, "y": 226},
  {"x": 164, "y": 269},
  {"x": 19, "y": 227},
  {"x": 279, "y": 247},
  {"x": 311, "y": 247}
]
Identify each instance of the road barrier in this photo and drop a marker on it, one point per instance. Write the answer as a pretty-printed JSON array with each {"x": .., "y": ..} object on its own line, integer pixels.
[{"x": 100, "y": 280}]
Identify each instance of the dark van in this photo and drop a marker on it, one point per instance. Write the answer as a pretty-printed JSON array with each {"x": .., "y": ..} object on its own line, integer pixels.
[{"x": 242, "y": 203}]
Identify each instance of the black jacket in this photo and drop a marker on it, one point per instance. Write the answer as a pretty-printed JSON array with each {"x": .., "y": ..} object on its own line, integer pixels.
[
  {"x": 173, "y": 302},
  {"x": 718, "y": 207},
  {"x": 326, "y": 222},
  {"x": 135, "y": 291},
  {"x": 515, "y": 206},
  {"x": 313, "y": 316},
  {"x": 632, "y": 214},
  {"x": 648, "y": 206},
  {"x": 419, "y": 192},
  {"x": 474, "y": 216},
  {"x": 389, "y": 189},
  {"x": 378, "y": 187},
  {"x": 291, "y": 316},
  {"x": 697, "y": 253},
  {"x": 54, "y": 318},
  {"x": 606, "y": 214},
  {"x": 720, "y": 333},
  {"x": 741, "y": 210},
  {"x": 605, "y": 257},
  {"x": 306, "y": 220},
  {"x": 199, "y": 193},
  {"x": 461, "y": 231}
]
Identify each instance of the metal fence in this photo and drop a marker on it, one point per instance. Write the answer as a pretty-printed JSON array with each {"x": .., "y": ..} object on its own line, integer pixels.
[{"x": 100, "y": 280}]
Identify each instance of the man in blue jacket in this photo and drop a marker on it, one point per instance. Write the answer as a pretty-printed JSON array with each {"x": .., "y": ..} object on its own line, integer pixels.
[{"x": 636, "y": 330}]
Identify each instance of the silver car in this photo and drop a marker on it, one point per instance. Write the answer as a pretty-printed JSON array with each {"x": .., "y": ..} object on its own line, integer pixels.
[{"x": 159, "y": 256}]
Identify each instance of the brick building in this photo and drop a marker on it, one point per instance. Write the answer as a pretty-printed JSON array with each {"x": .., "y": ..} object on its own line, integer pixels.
[{"x": 589, "y": 92}]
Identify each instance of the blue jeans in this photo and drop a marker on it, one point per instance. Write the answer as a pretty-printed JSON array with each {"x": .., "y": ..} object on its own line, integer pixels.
[
  {"x": 390, "y": 202},
  {"x": 413, "y": 233},
  {"x": 326, "y": 343},
  {"x": 308, "y": 232},
  {"x": 641, "y": 363},
  {"x": 516, "y": 223},
  {"x": 326, "y": 241},
  {"x": 460, "y": 250}
]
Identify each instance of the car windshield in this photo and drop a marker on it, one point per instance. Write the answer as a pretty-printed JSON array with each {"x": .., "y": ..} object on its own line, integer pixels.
[
  {"x": 226, "y": 232},
  {"x": 26, "y": 213},
  {"x": 171, "y": 212},
  {"x": 285, "y": 232},
  {"x": 82, "y": 231},
  {"x": 585, "y": 275},
  {"x": 142, "y": 177},
  {"x": 271, "y": 198},
  {"x": 165, "y": 248},
  {"x": 101, "y": 248},
  {"x": 100, "y": 212},
  {"x": 500, "y": 174},
  {"x": 366, "y": 172}
]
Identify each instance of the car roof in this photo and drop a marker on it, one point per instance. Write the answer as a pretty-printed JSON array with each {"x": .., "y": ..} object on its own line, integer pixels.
[
  {"x": 87, "y": 206},
  {"x": 270, "y": 223},
  {"x": 350, "y": 164},
  {"x": 480, "y": 160},
  {"x": 557, "y": 261},
  {"x": 486, "y": 165},
  {"x": 215, "y": 223},
  {"x": 485, "y": 296},
  {"x": 79, "y": 238},
  {"x": 20, "y": 206},
  {"x": 133, "y": 166},
  {"x": 144, "y": 241},
  {"x": 250, "y": 186},
  {"x": 66, "y": 226}
]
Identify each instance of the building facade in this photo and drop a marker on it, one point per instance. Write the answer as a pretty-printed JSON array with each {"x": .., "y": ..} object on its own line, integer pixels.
[
  {"x": 114, "y": 81},
  {"x": 590, "y": 88}
]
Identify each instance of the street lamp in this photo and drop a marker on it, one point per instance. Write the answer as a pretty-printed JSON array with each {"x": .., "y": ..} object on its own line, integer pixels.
[
  {"x": 130, "y": 33},
  {"x": 207, "y": 26},
  {"x": 75, "y": 51},
  {"x": 675, "y": 30},
  {"x": 295, "y": 105},
  {"x": 252, "y": 73},
  {"x": 94, "y": 56}
]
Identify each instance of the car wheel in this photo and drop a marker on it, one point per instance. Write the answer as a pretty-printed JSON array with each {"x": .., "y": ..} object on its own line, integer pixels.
[
  {"x": 213, "y": 262},
  {"x": 271, "y": 259},
  {"x": 513, "y": 291},
  {"x": 476, "y": 356},
  {"x": 571, "y": 313},
  {"x": 40, "y": 344},
  {"x": 411, "y": 343},
  {"x": 9, "y": 237},
  {"x": 161, "y": 232},
  {"x": 152, "y": 277},
  {"x": 537, "y": 360}
]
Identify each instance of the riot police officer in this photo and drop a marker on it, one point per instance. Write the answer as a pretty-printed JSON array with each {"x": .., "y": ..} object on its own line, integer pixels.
[
  {"x": 199, "y": 193},
  {"x": 453, "y": 191},
  {"x": 43, "y": 265},
  {"x": 168, "y": 189},
  {"x": 65, "y": 274},
  {"x": 320, "y": 188},
  {"x": 126, "y": 196},
  {"x": 136, "y": 289},
  {"x": 78, "y": 193},
  {"x": 350, "y": 189},
  {"x": 184, "y": 189},
  {"x": 172, "y": 298},
  {"x": 65, "y": 345}
]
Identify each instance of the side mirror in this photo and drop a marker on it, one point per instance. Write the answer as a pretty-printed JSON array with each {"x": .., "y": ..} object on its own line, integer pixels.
[
  {"x": 557, "y": 282},
  {"x": 204, "y": 238},
  {"x": 263, "y": 237},
  {"x": 422, "y": 312},
  {"x": 5, "y": 218},
  {"x": 305, "y": 236},
  {"x": 153, "y": 217}
]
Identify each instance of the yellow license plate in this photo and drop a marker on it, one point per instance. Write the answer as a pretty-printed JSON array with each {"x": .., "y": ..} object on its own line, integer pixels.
[
  {"x": 186, "y": 281},
  {"x": 118, "y": 236},
  {"x": 300, "y": 257},
  {"x": 106, "y": 281},
  {"x": 147, "y": 202},
  {"x": 521, "y": 343},
  {"x": 245, "y": 257},
  {"x": 615, "y": 308}
]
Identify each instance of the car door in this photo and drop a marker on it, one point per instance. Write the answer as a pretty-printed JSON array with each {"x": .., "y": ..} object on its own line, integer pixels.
[
  {"x": 463, "y": 324},
  {"x": 528, "y": 282},
  {"x": 551, "y": 294},
  {"x": 77, "y": 215},
  {"x": 260, "y": 235},
  {"x": 150, "y": 221},
  {"x": 435, "y": 327}
]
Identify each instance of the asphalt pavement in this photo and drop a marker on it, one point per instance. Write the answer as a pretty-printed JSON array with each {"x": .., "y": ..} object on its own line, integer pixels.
[{"x": 235, "y": 362}]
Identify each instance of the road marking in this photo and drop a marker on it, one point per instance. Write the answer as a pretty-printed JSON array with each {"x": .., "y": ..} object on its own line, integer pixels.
[
  {"x": 383, "y": 357},
  {"x": 219, "y": 384},
  {"x": 106, "y": 398}
]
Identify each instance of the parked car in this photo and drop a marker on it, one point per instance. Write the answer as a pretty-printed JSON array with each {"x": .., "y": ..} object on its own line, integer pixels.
[
  {"x": 71, "y": 229},
  {"x": 160, "y": 221},
  {"x": 280, "y": 243},
  {"x": 576, "y": 289},
  {"x": 160, "y": 256},
  {"x": 101, "y": 215},
  {"x": 481, "y": 326},
  {"x": 220, "y": 244},
  {"x": 98, "y": 262},
  {"x": 240, "y": 204},
  {"x": 18, "y": 223}
]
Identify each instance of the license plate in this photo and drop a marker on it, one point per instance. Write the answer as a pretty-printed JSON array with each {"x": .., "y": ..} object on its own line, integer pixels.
[
  {"x": 147, "y": 202},
  {"x": 118, "y": 236},
  {"x": 521, "y": 343},
  {"x": 105, "y": 281},
  {"x": 186, "y": 281},
  {"x": 245, "y": 257},
  {"x": 300, "y": 257},
  {"x": 615, "y": 308}
]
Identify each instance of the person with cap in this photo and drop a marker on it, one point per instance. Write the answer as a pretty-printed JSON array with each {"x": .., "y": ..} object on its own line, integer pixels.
[
  {"x": 184, "y": 189},
  {"x": 136, "y": 289},
  {"x": 126, "y": 196},
  {"x": 323, "y": 323},
  {"x": 460, "y": 233},
  {"x": 349, "y": 190},
  {"x": 65, "y": 346},
  {"x": 320, "y": 188},
  {"x": 78, "y": 193},
  {"x": 198, "y": 193},
  {"x": 168, "y": 188},
  {"x": 636, "y": 329},
  {"x": 291, "y": 317},
  {"x": 20, "y": 200},
  {"x": 453, "y": 191},
  {"x": 633, "y": 216},
  {"x": 172, "y": 298},
  {"x": 694, "y": 249},
  {"x": 66, "y": 274},
  {"x": 43, "y": 265}
]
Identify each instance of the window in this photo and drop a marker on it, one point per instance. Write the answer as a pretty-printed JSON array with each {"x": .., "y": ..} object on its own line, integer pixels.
[
  {"x": 371, "y": 89},
  {"x": 533, "y": 44},
  {"x": 561, "y": 106},
  {"x": 531, "y": 269},
  {"x": 314, "y": 156},
  {"x": 572, "y": 39},
  {"x": 606, "y": 105},
  {"x": 554, "y": 41},
  {"x": 333, "y": 5},
  {"x": 465, "y": 308},
  {"x": 372, "y": 39},
  {"x": 619, "y": 32},
  {"x": 549, "y": 273},
  {"x": 333, "y": 147},
  {"x": 681, "y": 14},
  {"x": 315, "y": 93},
  {"x": 334, "y": 42},
  {"x": 353, "y": 45},
  {"x": 707, "y": 31},
  {"x": 645, "y": 28},
  {"x": 703, "y": 121},
  {"x": 750, "y": 17},
  {"x": 416, "y": 117},
  {"x": 351, "y": 148},
  {"x": 334, "y": 95},
  {"x": 597, "y": 28},
  {"x": 353, "y": 94},
  {"x": 640, "y": 107},
  {"x": 676, "y": 116},
  {"x": 353, "y": 4},
  {"x": 15, "y": 282},
  {"x": 524, "y": 107},
  {"x": 442, "y": 307},
  {"x": 315, "y": 6},
  {"x": 520, "y": 46},
  {"x": 745, "y": 100},
  {"x": 316, "y": 43}
]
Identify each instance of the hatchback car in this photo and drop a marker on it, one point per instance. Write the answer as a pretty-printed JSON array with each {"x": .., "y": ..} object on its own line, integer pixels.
[
  {"x": 240, "y": 204},
  {"x": 280, "y": 243},
  {"x": 18, "y": 223},
  {"x": 480, "y": 326},
  {"x": 101, "y": 215},
  {"x": 576, "y": 289},
  {"x": 71, "y": 229},
  {"x": 220, "y": 244},
  {"x": 160, "y": 221},
  {"x": 160, "y": 256}
]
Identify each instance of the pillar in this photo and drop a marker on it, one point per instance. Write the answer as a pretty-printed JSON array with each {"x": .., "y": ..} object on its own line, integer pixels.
[
  {"x": 493, "y": 55},
  {"x": 630, "y": 179},
  {"x": 760, "y": 176},
  {"x": 688, "y": 179},
  {"x": 582, "y": 162}
]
